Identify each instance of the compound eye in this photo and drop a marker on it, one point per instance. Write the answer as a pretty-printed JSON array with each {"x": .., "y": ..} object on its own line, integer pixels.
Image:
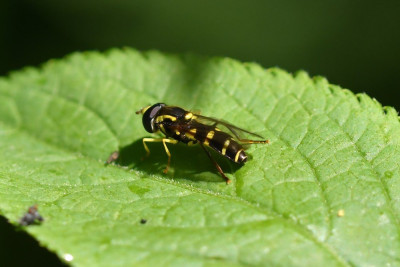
[{"x": 149, "y": 115}]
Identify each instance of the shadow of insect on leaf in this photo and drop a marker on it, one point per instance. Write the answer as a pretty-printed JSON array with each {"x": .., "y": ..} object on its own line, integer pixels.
[{"x": 188, "y": 162}]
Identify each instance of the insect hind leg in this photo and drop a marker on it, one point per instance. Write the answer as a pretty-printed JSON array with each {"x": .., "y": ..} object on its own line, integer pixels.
[
  {"x": 164, "y": 141},
  {"x": 247, "y": 141},
  {"x": 216, "y": 165}
]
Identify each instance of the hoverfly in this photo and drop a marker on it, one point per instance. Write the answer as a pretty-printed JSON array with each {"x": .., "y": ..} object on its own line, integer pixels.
[{"x": 179, "y": 125}]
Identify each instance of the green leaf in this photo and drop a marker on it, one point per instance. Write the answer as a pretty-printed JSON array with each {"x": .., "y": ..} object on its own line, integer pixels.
[{"x": 325, "y": 192}]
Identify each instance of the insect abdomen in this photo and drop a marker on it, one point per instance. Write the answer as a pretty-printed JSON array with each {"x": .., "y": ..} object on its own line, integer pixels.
[{"x": 224, "y": 144}]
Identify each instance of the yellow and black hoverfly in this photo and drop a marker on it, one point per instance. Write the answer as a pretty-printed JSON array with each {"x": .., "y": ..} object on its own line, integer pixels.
[{"x": 179, "y": 125}]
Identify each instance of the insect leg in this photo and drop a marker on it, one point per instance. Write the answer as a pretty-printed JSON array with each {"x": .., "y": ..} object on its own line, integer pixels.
[
  {"x": 150, "y": 140},
  {"x": 247, "y": 141},
  {"x": 156, "y": 140},
  {"x": 166, "y": 140},
  {"x": 216, "y": 165}
]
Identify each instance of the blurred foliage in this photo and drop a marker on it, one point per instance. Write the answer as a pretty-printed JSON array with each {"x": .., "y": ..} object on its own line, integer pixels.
[{"x": 352, "y": 43}]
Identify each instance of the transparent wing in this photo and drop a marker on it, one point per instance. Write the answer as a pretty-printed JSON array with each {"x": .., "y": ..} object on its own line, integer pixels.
[{"x": 236, "y": 131}]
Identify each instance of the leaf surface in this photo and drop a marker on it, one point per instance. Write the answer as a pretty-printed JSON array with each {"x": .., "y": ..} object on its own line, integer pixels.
[{"x": 325, "y": 192}]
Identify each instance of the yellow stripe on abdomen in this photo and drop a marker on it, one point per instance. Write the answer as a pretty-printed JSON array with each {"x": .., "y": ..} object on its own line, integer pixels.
[
  {"x": 237, "y": 155},
  {"x": 226, "y": 144}
]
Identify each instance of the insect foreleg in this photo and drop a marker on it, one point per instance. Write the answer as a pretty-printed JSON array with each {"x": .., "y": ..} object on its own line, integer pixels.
[
  {"x": 150, "y": 140},
  {"x": 164, "y": 141}
]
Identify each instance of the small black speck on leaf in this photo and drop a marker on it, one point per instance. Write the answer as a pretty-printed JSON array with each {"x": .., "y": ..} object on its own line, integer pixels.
[{"x": 143, "y": 221}]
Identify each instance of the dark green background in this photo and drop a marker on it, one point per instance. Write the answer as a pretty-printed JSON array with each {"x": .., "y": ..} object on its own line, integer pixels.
[{"x": 355, "y": 44}]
